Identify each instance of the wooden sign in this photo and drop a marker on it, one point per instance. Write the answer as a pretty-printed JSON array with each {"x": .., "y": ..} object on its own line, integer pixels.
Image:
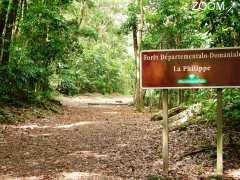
[{"x": 186, "y": 68}]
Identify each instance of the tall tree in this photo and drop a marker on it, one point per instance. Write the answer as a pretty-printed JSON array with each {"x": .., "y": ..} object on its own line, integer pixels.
[
  {"x": 140, "y": 92},
  {"x": 3, "y": 15},
  {"x": 21, "y": 11},
  {"x": 8, "y": 31},
  {"x": 132, "y": 25}
]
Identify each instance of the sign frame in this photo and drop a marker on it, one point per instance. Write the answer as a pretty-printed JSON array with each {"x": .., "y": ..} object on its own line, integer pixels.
[{"x": 185, "y": 87}]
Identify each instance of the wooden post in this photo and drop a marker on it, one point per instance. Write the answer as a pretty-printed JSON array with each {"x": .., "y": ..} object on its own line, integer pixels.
[
  {"x": 219, "y": 133},
  {"x": 165, "y": 131}
]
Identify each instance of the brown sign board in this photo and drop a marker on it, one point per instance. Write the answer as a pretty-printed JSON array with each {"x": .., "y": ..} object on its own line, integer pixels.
[{"x": 191, "y": 68}]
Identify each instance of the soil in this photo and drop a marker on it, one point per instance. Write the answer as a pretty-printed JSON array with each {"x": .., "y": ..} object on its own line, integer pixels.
[{"x": 106, "y": 141}]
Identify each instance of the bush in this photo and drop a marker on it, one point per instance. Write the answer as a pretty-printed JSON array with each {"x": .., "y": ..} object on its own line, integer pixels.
[
  {"x": 7, "y": 117},
  {"x": 68, "y": 87},
  {"x": 232, "y": 111}
]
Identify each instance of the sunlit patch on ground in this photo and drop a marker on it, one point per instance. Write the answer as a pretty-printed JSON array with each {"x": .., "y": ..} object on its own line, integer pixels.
[
  {"x": 9, "y": 177},
  {"x": 122, "y": 145},
  {"x": 89, "y": 154},
  {"x": 33, "y": 126},
  {"x": 77, "y": 175},
  {"x": 61, "y": 126},
  {"x": 84, "y": 176},
  {"x": 111, "y": 112},
  {"x": 85, "y": 100},
  {"x": 67, "y": 126}
]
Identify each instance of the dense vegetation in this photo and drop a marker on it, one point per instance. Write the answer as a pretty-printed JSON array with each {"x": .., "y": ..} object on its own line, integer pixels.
[
  {"x": 68, "y": 46},
  {"x": 77, "y": 46}
]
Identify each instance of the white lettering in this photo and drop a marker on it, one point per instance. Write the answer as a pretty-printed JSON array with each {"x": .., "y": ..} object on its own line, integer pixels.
[
  {"x": 195, "y": 6},
  {"x": 211, "y": 6},
  {"x": 221, "y": 6}
]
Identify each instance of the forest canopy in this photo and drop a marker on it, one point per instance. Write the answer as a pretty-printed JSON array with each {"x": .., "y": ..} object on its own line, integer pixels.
[{"x": 69, "y": 46}]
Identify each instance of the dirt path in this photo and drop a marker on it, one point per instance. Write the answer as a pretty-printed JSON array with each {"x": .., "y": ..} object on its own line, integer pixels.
[{"x": 98, "y": 142}]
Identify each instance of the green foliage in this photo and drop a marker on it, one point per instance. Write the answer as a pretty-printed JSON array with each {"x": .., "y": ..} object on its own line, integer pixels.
[
  {"x": 209, "y": 110},
  {"x": 6, "y": 117},
  {"x": 171, "y": 25},
  {"x": 152, "y": 98},
  {"x": 46, "y": 33},
  {"x": 88, "y": 32},
  {"x": 231, "y": 110},
  {"x": 15, "y": 82},
  {"x": 3, "y": 5},
  {"x": 132, "y": 21},
  {"x": 223, "y": 26},
  {"x": 68, "y": 87},
  {"x": 41, "y": 41},
  {"x": 80, "y": 47},
  {"x": 99, "y": 62}
]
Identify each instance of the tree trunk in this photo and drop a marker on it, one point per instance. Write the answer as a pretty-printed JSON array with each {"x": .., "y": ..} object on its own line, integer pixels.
[
  {"x": 140, "y": 103},
  {"x": 3, "y": 15},
  {"x": 178, "y": 44},
  {"x": 135, "y": 48},
  {"x": 22, "y": 8},
  {"x": 82, "y": 12},
  {"x": 235, "y": 38},
  {"x": 8, "y": 31},
  {"x": 160, "y": 99}
]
